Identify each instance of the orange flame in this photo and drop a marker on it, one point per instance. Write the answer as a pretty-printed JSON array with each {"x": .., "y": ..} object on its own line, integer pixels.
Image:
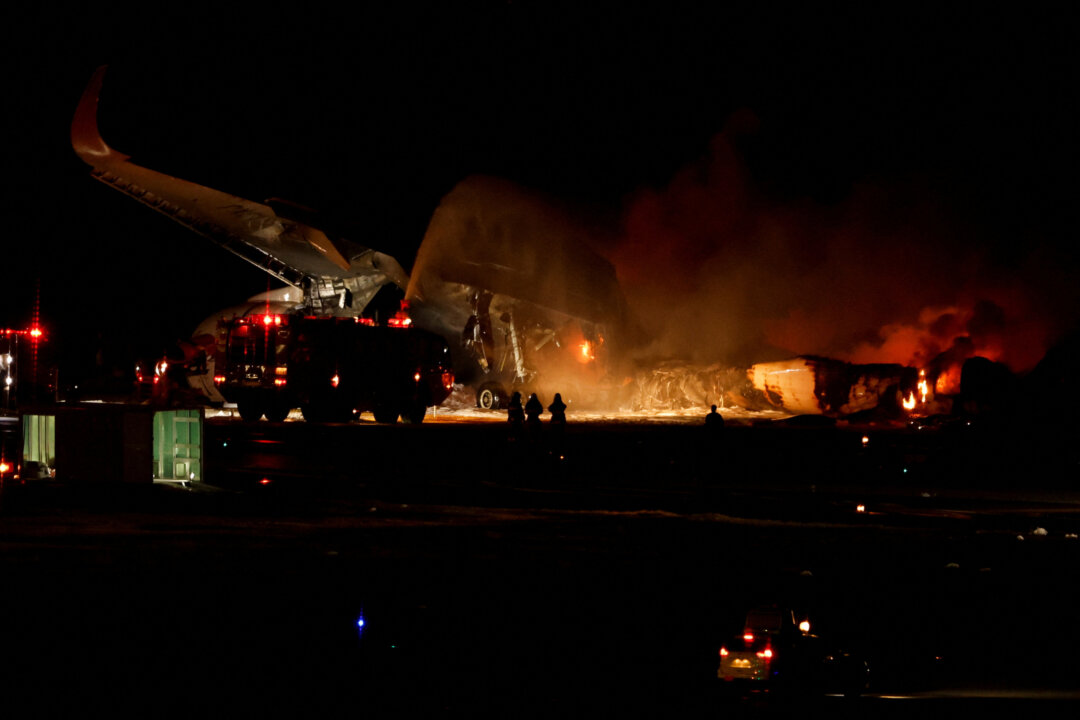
[
  {"x": 586, "y": 352},
  {"x": 909, "y": 402}
]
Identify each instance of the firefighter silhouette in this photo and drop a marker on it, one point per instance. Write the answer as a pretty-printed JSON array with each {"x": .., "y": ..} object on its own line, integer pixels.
[
  {"x": 557, "y": 408},
  {"x": 557, "y": 423},
  {"x": 533, "y": 408},
  {"x": 714, "y": 419}
]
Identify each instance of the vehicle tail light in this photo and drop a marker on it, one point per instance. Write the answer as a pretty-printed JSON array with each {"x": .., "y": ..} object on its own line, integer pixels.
[
  {"x": 723, "y": 652},
  {"x": 748, "y": 637},
  {"x": 766, "y": 653},
  {"x": 280, "y": 382},
  {"x": 218, "y": 379}
]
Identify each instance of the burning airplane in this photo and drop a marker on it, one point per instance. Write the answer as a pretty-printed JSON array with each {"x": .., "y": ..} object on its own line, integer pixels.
[
  {"x": 512, "y": 283},
  {"x": 501, "y": 275}
]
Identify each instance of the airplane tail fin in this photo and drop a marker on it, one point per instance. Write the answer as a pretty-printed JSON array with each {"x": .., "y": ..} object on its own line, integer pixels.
[{"x": 85, "y": 137}]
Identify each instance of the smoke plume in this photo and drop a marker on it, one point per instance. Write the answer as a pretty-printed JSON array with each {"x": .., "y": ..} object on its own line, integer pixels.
[{"x": 716, "y": 270}]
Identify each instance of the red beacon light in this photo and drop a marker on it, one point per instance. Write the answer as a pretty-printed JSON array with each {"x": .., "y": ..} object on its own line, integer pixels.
[{"x": 399, "y": 320}]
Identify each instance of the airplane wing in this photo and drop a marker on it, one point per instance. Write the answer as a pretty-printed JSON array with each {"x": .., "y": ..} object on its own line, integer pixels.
[{"x": 299, "y": 254}]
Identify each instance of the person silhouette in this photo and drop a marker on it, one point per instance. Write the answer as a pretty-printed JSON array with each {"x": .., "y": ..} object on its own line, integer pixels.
[
  {"x": 515, "y": 415},
  {"x": 557, "y": 408}
]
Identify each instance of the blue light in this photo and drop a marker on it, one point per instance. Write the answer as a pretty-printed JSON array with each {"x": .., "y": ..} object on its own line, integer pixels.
[{"x": 360, "y": 622}]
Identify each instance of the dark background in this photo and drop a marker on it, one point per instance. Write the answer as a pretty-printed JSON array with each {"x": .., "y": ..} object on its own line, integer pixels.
[{"x": 372, "y": 116}]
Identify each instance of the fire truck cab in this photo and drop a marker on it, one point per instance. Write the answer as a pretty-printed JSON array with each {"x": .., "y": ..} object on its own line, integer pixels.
[{"x": 330, "y": 367}]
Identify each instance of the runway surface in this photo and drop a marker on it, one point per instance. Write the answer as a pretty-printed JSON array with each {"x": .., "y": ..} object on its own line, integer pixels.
[{"x": 594, "y": 572}]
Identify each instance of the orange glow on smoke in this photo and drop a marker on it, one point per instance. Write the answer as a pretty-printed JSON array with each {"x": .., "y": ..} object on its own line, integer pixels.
[{"x": 948, "y": 382}]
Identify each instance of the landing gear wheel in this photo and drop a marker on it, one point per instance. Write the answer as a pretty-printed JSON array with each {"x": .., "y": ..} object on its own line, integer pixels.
[
  {"x": 250, "y": 411},
  {"x": 489, "y": 397}
]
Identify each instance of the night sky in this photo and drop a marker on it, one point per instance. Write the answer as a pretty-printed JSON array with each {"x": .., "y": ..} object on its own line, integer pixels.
[{"x": 861, "y": 140}]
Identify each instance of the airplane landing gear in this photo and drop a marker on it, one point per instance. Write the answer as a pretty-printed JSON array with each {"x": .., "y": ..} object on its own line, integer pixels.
[{"x": 490, "y": 396}]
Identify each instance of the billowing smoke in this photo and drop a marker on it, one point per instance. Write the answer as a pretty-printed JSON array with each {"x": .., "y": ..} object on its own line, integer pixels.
[
  {"x": 718, "y": 271},
  {"x": 718, "y": 275}
]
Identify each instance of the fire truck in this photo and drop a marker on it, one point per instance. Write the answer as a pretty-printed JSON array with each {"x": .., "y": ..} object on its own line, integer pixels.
[{"x": 330, "y": 367}]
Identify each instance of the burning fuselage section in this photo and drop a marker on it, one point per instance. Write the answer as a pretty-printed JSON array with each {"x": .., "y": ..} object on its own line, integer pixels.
[
  {"x": 512, "y": 283},
  {"x": 814, "y": 385}
]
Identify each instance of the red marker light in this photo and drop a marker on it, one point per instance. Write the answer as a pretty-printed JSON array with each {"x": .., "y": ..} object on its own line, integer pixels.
[
  {"x": 416, "y": 377},
  {"x": 748, "y": 637},
  {"x": 4, "y": 467},
  {"x": 264, "y": 481},
  {"x": 335, "y": 381},
  {"x": 36, "y": 332},
  {"x": 399, "y": 320},
  {"x": 723, "y": 652},
  {"x": 218, "y": 379}
]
